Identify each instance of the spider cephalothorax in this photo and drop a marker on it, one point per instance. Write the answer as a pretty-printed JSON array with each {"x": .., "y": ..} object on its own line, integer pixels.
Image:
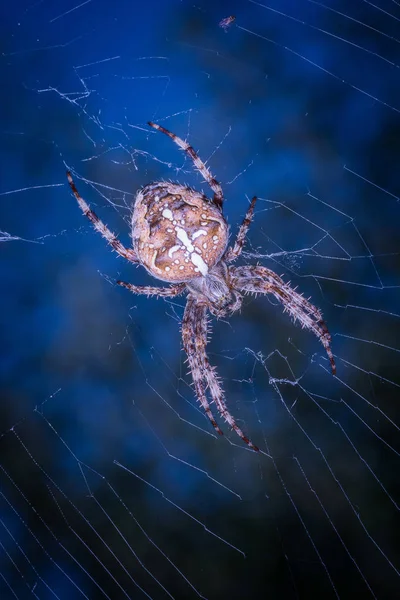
[
  {"x": 181, "y": 236},
  {"x": 217, "y": 290}
]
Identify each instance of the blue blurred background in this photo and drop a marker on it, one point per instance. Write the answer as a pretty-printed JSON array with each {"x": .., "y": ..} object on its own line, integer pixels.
[{"x": 112, "y": 482}]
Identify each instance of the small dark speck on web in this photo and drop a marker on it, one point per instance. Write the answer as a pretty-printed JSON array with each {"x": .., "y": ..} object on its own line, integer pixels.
[{"x": 227, "y": 22}]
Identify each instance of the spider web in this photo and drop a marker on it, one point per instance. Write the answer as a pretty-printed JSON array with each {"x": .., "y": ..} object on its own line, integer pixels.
[{"x": 112, "y": 482}]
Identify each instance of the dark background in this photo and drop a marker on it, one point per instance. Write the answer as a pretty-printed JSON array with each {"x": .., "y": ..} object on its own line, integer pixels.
[{"x": 112, "y": 482}]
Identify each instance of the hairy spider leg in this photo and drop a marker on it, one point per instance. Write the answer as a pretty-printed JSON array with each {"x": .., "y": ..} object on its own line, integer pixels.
[
  {"x": 218, "y": 198},
  {"x": 194, "y": 333},
  {"x": 261, "y": 280},
  {"x": 100, "y": 226},
  {"x": 190, "y": 349},
  {"x": 167, "y": 292},
  {"x": 234, "y": 252}
]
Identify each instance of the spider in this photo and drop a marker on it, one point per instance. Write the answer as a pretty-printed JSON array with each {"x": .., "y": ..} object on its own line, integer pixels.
[{"x": 180, "y": 236}]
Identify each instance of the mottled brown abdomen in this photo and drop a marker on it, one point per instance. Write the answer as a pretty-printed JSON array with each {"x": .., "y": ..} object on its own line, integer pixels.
[{"x": 177, "y": 233}]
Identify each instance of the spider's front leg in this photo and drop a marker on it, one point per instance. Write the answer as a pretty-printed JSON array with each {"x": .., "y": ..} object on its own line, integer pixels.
[
  {"x": 189, "y": 345},
  {"x": 194, "y": 334},
  {"x": 261, "y": 280}
]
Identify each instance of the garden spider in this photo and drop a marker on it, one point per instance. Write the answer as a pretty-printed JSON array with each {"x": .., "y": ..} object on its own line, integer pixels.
[{"x": 180, "y": 236}]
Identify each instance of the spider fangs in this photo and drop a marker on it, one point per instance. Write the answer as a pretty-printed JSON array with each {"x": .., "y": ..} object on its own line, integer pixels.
[{"x": 181, "y": 237}]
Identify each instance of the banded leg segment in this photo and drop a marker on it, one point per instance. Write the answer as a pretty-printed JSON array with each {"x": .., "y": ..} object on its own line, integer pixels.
[
  {"x": 108, "y": 235},
  {"x": 195, "y": 368},
  {"x": 194, "y": 331},
  {"x": 167, "y": 292},
  {"x": 261, "y": 280},
  {"x": 234, "y": 252},
  {"x": 198, "y": 163}
]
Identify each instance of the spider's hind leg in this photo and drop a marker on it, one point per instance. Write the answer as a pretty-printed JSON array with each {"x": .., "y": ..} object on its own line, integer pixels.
[
  {"x": 218, "y": 198},
  {"x": 108, "y": 235},
  {"x": 234, "y": 252}
]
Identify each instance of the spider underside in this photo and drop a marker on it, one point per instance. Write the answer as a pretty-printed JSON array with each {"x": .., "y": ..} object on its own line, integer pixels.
[{"x": 180, "y": 236}]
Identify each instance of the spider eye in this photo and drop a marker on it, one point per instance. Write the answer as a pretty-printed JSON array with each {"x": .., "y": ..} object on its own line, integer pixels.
[{"x": 178, "y": 234}]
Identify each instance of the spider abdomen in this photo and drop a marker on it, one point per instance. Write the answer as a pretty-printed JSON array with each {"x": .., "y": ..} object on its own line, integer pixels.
[{"x": 177, "y": 233}]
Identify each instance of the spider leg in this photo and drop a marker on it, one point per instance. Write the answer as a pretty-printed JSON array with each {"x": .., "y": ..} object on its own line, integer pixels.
[
  {"x": 262, "y": 280},
  {"x": 99, "y": 225},
  {"x": 234, "y": 252},
  {"x": 167, "y": 292},
  {"x": 194, "y": 333},
  {"x": 198, "y": 163},
  {"x": 194, "y": 364}
]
